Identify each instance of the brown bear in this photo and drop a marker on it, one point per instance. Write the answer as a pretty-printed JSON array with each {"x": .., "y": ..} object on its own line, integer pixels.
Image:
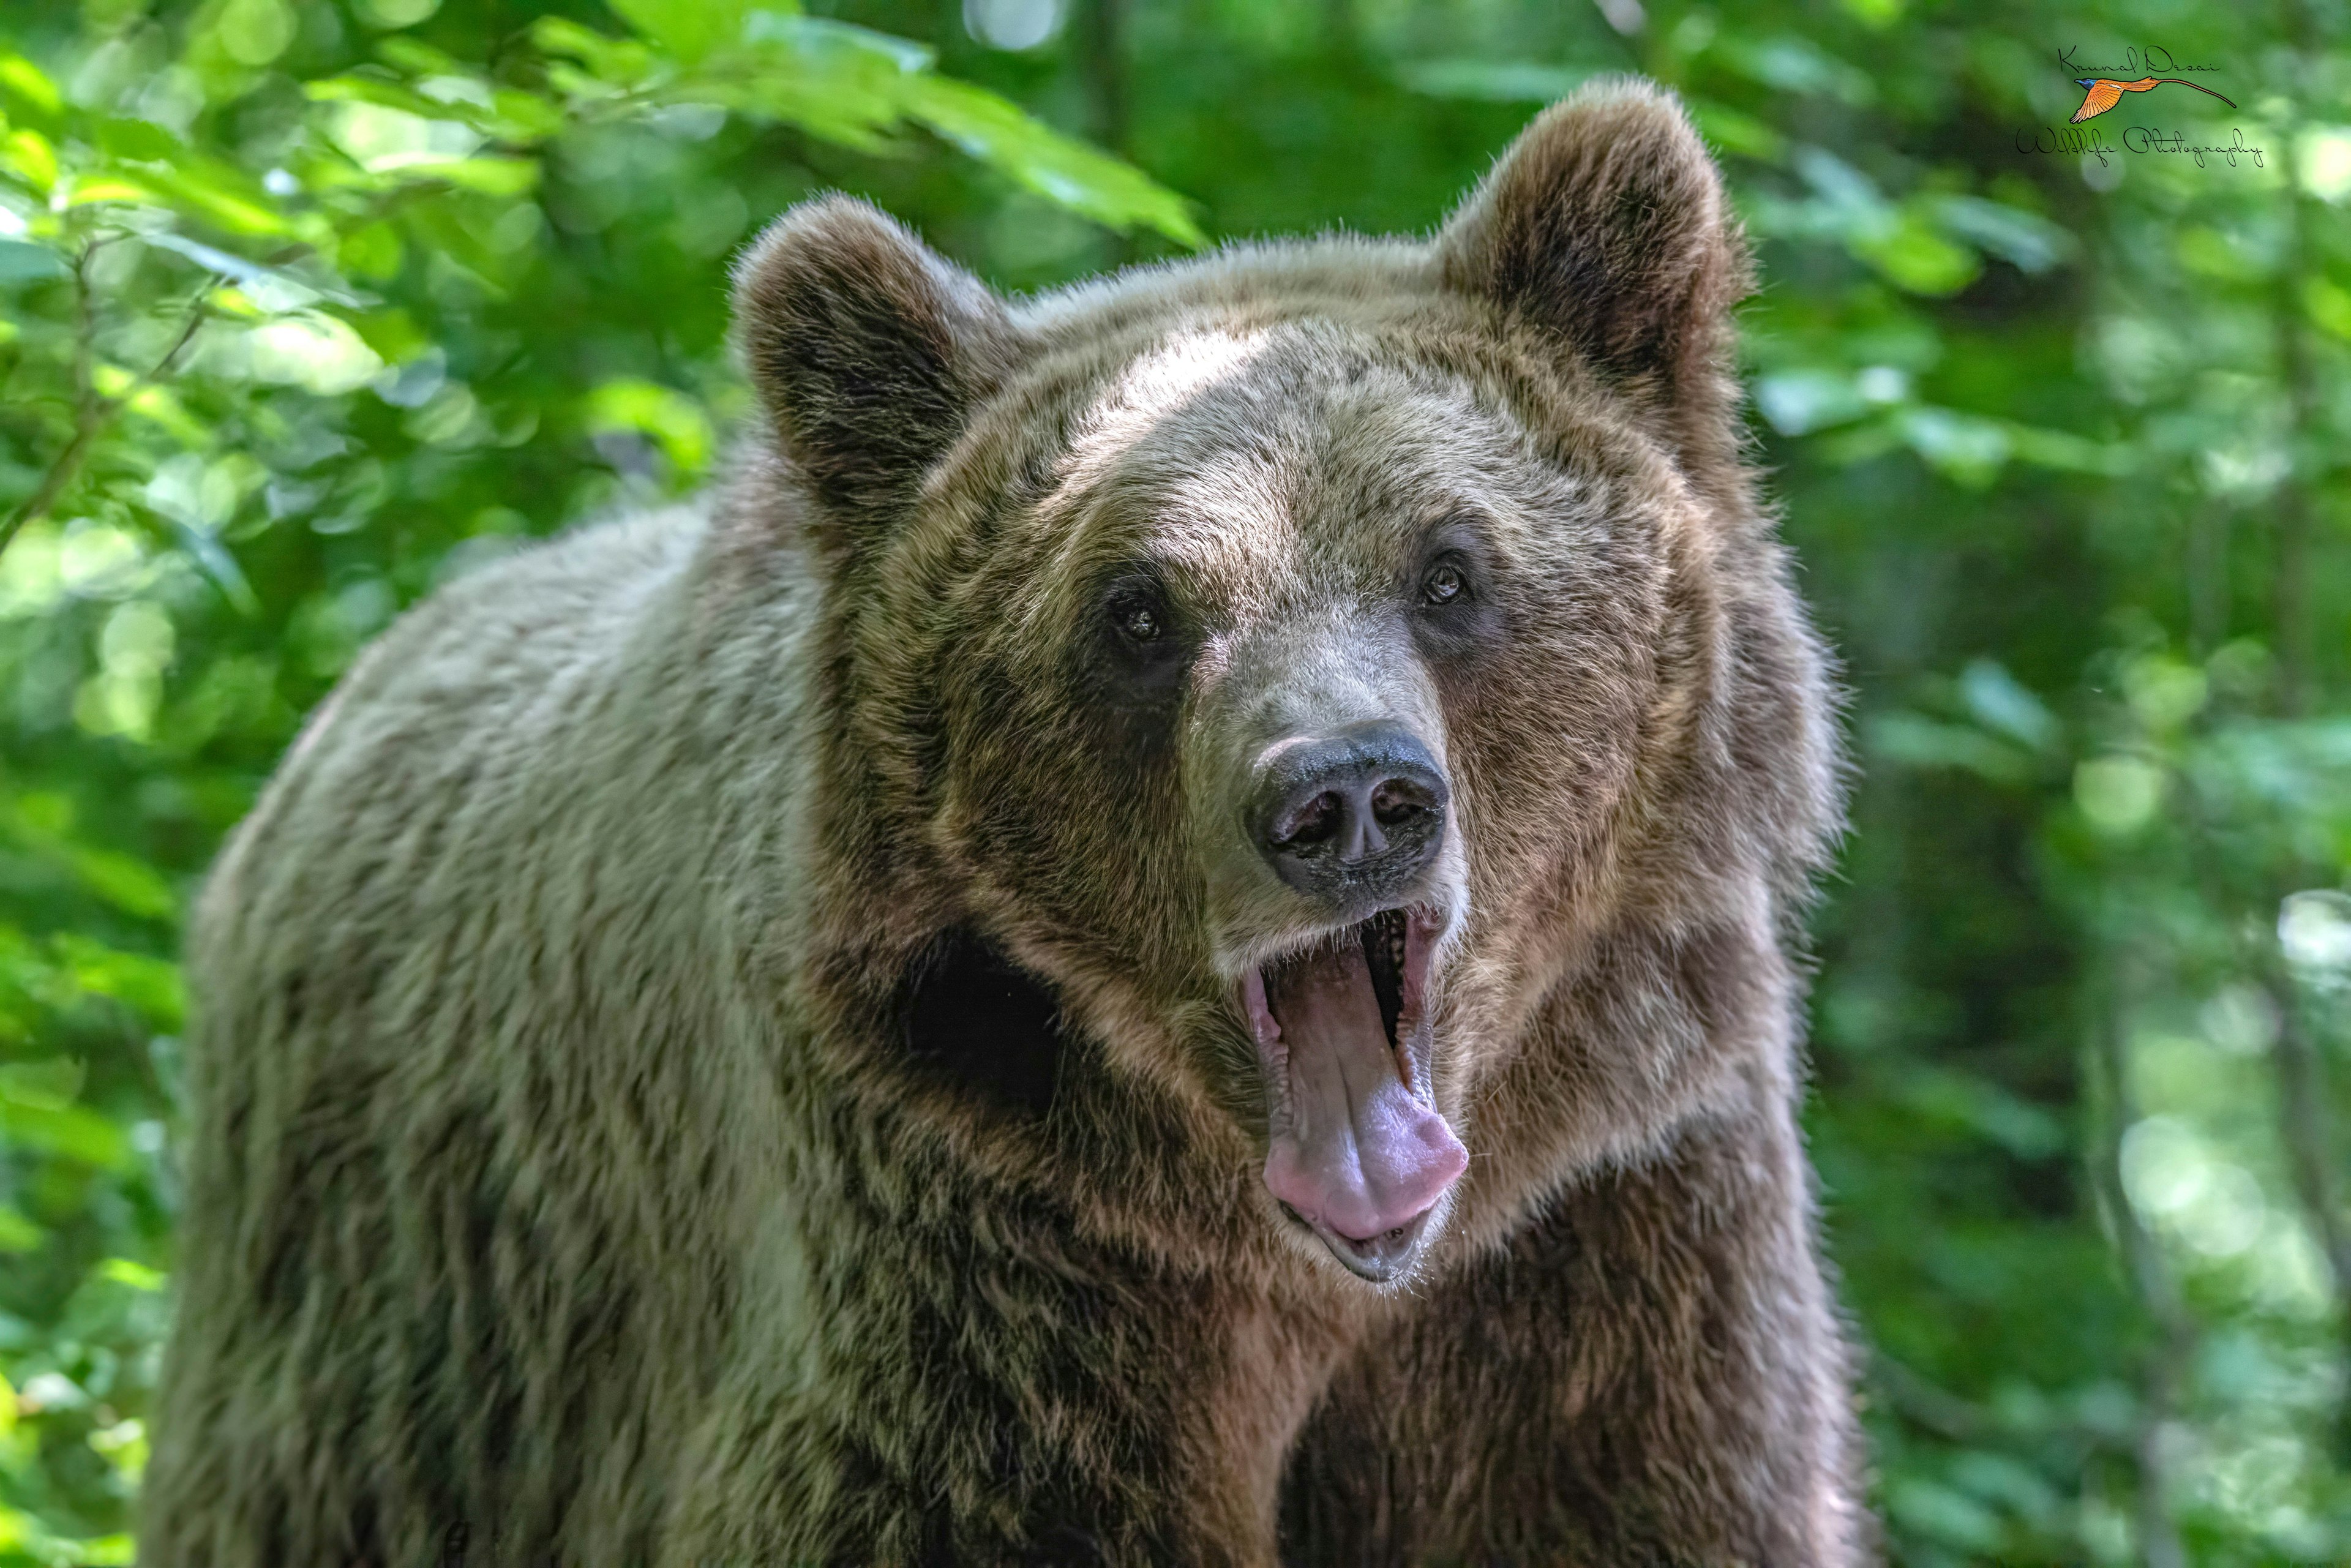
[{"x": 1162, "y": 934}]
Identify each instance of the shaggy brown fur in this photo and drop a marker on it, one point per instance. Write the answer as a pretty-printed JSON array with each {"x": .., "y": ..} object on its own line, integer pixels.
[{"x": 724, "y": 1041}]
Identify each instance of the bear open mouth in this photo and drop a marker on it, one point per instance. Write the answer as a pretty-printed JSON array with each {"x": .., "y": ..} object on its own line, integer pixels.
[{"x": 1358, "y": 1152}]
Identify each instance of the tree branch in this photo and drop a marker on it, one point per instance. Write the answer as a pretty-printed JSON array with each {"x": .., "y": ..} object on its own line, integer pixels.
[{"x": 93, "y": 414}]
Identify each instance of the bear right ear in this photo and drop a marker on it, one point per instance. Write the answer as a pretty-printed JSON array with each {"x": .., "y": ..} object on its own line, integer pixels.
[{"x": 869, "y": 351}]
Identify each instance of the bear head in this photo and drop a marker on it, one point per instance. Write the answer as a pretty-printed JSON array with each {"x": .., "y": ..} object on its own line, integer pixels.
[{"x": 1268, "y": 669}]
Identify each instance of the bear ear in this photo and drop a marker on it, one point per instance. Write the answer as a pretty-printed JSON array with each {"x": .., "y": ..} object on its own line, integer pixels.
[
  {"x": 1604, "y": 225},
  {"x": 869, "y": 351}
]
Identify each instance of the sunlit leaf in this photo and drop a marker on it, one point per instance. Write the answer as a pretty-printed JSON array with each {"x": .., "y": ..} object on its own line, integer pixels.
[
  {"x": 17, "y": 1234},
  {"x": 138, "y": 140},
  {"x": 28, "y": 84},
  {"x": 671, "y": 418},
  {"x": 1964, "y": 446},
  {"x": 110, "y": 188},
  {"x": 28, "y": 154},
  {"x": 1799, "y": 402},
  {"x": 149, "y": 986},
  {"x": 270, "y": 287},
  {"x": 688, "y": 29},
  {"x": 138, "y": 1276},
  {"x": 611, "y": 62},
  {"x": 1733, "y": 131},
  {"x": 219, "y": 197},
  {"x": 1911, "y": 253},
  {"x": 2003, "y": 704},
  {"x": 1113, "y": 194}
]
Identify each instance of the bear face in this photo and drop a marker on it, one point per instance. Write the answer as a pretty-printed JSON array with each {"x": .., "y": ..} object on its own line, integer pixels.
[{"x": 1249, "y": 664}]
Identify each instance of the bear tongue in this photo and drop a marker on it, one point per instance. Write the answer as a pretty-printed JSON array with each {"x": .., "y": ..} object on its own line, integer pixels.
[{"x": 1353, "y": 1149}]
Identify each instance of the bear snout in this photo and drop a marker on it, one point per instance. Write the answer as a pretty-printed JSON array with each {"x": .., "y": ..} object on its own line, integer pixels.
[{"x": 1351, "y": 818}]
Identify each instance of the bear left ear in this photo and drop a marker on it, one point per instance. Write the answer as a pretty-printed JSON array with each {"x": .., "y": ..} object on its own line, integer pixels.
[
  {"x": 869, "y": 351},
  {"x": 1604, "y": 225}
]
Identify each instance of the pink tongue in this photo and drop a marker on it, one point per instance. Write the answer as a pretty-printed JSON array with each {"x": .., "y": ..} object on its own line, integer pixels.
[{"x": 1357, "y": 1152}]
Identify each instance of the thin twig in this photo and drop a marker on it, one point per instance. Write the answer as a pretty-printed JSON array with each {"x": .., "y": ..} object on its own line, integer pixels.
[
  {"x": 94, "y": 413},
  {"x": 85, "y": 325}
]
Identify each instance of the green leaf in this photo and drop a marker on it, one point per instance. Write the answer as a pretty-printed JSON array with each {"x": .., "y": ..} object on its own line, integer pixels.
[
  {"x": 1794, "y": 63},
  {"x": 392, "y": 333},
  {"x": 674, "y": 420},
  {"x": 513, "y": 116},
  {"x": 17, "y": 1234},
  {"x": 150, "y": 987},
  {"x": 29, "y": 85},
  {"x": 1913, "y": 254},
  {"x": 138, "y": 1276},
  {"x": 525, "y": 115},
  {"x": 2029, "y": 240},
  {"x": 28, "y": 153},
  {"x": 128, "y": 883},
  {"x": 220, "y": 197},
  {"x": 272, "y": 288},
  {"x": 68, "y": 1131},
  {"x": 1733, "y": 131},
  {"x": 1093, "y": 183},
  {"x": 1915, "y": 741},
  {"x": 1798, "y": 401},
  {"x": 2002, "y": 703},
  {"x": 142, "y": 140},
  {"x": 53, "y": 1082},
  {"x": 1965, "y": 447},
  {"x": 854, "y": 85},
  {"x": 2062, "y": 450},
  {"x": 688, "y": 29},
  {"x": 109, "y": 186},
  {"x": 611, "y": 62},
  {"x": 24, "y": 263},
  {"x": 214, "y": 560}
]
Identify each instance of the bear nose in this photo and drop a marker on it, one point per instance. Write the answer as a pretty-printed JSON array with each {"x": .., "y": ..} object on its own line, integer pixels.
[{"x": 1351, "y": 817}]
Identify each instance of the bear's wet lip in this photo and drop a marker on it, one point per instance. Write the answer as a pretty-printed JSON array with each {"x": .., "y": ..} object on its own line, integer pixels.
[{"x": 1357, "y": 1152}]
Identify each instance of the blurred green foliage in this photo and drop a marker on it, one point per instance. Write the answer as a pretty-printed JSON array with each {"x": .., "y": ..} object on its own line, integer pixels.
[{"x": 308, "y": 307}]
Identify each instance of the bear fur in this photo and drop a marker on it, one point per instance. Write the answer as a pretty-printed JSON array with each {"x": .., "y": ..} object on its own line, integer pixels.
[{"x": 742, "y": 1035}]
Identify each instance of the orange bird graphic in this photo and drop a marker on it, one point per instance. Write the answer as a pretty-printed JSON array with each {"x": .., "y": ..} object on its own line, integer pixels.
[{"x": 2105, "y": 94}]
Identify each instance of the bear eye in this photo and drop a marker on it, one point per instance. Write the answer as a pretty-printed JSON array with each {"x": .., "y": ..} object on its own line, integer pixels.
[
  {"x": 1443, "y": 584},
  {"x": 1138, "y": 619}
]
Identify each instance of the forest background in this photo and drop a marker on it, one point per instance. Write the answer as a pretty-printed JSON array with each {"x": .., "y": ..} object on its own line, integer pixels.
[{"x": 308, "y": 307}]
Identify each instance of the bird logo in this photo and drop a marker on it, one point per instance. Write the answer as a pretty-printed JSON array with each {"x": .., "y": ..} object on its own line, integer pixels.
[{"x": 2105, "y": 93}]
